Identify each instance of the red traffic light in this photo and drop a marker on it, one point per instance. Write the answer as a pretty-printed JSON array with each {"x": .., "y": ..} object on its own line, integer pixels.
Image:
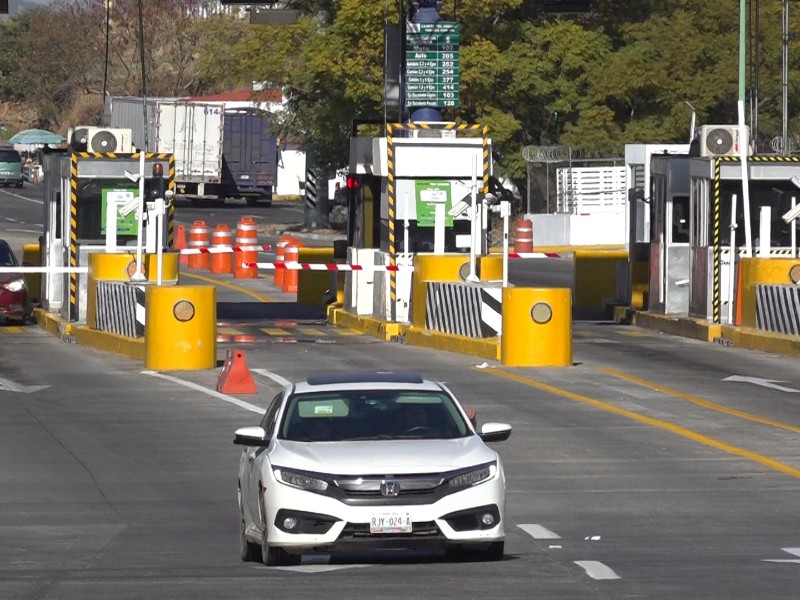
[{"x": 352, "y": 182}]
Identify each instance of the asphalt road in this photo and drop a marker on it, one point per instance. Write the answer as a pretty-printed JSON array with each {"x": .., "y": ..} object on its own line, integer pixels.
[{"x": 654, "y": 467}]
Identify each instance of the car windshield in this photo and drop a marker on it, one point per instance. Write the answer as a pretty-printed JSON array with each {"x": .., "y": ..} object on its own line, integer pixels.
[
  {"x": 372, "y": 415},
  {"x": 9, "y": 156},
  {"x": 6, "y": 257}
]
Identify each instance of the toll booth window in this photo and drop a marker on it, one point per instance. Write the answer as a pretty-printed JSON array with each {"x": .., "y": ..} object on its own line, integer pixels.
[
  {"x": 92, "y": 197},
  {"x": 680, "y": 220}
]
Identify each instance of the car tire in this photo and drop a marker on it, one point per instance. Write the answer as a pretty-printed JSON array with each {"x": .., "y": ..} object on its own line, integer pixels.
[
  {"x": 273, "y": 556},
  {"x": 19, "y": 184},
  {"x": 249, "y": 551}
]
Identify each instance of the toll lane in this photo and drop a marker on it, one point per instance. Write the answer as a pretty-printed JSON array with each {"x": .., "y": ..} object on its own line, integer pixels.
[{"x": 122, "y": 483}]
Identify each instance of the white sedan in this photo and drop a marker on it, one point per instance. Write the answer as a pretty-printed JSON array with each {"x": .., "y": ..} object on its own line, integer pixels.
[{"x": 359, "y": 461}]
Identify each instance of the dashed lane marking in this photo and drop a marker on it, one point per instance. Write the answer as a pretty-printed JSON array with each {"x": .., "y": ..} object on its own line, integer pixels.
[
  {"x": 12, "y": 329},
  {"x": 538, "y": 532},
  {"x": 346, "y": 331},
  {"x": 313, "y": 331},
  {"x": 275, "y": 331},
  {"x": 597, "y": 570}
]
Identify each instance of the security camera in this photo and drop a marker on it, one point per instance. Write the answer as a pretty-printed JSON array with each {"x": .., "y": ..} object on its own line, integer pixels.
[
  {"x": 459, "y": 208},
  {"x": 792, "y": 214},
  {"x": 129, "y": 206},
  {"x": 134, "y": 177},
  {"x": 490, "y": 199}
]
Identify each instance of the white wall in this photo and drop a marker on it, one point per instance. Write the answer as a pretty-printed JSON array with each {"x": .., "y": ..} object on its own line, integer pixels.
[{"x": 577, "y": 230}]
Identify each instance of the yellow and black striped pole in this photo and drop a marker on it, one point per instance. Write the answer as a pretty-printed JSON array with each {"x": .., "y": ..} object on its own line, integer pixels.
[
  {"x": 715, "y": 242},
  {"x": 73, "y": 237},
  {"x": 171, "y": 209},
  {"x": 391, "y": 199}
]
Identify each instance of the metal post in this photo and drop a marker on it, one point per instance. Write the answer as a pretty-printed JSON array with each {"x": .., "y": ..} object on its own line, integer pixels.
[
  {"x": 732, "y": 268},
  {"x": 473, "y": 220},
  {"x": 139, "y": 274},
  {"x": 785, "y": 130}
]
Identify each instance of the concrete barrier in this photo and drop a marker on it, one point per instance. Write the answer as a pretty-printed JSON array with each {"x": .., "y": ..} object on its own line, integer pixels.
[
  {"x": 755, "y": 270},
  {"x": 596, "y": 278},
  {"x": 446, "y": 267}
]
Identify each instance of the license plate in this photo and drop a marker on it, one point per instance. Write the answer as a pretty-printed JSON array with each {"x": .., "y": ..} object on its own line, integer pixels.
[{"x": 390, "y": 523}]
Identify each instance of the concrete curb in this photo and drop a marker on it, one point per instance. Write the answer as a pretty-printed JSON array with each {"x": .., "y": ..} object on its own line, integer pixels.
[
  {"x": 488, "y": 348},
  {"x": 85, "y": 336},
  {"x": 727, "y": 335}
]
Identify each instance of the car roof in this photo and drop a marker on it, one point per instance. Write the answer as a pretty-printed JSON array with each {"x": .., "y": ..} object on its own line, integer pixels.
[{"x": 325, "y": 382}]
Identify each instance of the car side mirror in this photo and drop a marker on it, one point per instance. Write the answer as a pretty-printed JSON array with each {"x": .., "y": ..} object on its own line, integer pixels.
[
  {"x": 495, "y": 432},
  {"x": 251, "y": 436}
]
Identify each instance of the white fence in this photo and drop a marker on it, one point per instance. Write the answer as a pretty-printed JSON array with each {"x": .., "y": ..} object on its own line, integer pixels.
[{"x": 591, "y": 190}]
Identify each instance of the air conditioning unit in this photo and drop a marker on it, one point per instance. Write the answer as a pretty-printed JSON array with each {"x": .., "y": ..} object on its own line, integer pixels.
[
  {"x": 722, "y": 140},
  {"x": 102, "y": 139},
  {"x": 78, "y": 137}
]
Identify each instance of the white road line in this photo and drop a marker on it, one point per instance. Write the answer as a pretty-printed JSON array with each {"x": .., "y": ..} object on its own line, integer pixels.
[
  {"x": 538, "y": 532},
  {"x": 274, "y": 376},
  {"x": 794, "y": 551},
  {"x": 23, "y": 197},
  {"x": 213, "y": 393},
  {"x": 597, "y": 570}
]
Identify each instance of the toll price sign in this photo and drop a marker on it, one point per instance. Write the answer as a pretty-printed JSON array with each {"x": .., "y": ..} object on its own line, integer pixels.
[{"x": 433, "y": 64}]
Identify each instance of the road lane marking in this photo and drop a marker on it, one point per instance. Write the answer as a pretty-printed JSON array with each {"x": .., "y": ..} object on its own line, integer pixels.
[
  {"x": 34, "y": 200},
  {"x": 274, "y": 376},
  {"x": 666, "y": 425},
  {"x": 597, "y": 570},
  {"x": 538, "y": 532},
  {"x": 277, "y": 331},
  {"x": 313, "y": 331},
  {"x": 208, "y": 392},
  {"x": 700, "y": 402},
  {"x": 794, "y": 551},
  {"x": 767, "y": 383},
  {"x": 7, "y": 385},
  {"x": 230, "y": 286}
]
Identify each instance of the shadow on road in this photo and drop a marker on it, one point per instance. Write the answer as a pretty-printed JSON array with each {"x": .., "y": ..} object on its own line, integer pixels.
[{"x": 269, "y": 310}]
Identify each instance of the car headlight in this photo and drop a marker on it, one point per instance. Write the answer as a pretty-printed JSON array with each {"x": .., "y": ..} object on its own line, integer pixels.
[
  {"x": 300, "y": 481},
  {"x": 473, "y": 476},
  {"x": 15, "y": 286}
]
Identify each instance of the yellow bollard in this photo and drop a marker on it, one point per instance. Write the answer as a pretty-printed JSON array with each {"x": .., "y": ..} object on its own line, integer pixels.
[
  {"x": 537, "y": 327},
  {"x": 32, "y": 256},
  {"x": 180, "y": 328},
  {"x": 312, "y": 285}
]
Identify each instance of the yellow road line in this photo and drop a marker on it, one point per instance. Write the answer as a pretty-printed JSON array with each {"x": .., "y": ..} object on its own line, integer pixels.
[
  {"x": 312, "y": 331},
  {"x": 12, "y": 329},
  {"x": 347, "y": 331},
  {"x": 700, "y": 402},
  {"x": 275, "y": 331},
  {"x": 229, "y": 330},
  {"x": 230, "y": 286},
  {"x": 666, "y": 425},
  {"x": 635, "y": 333}
]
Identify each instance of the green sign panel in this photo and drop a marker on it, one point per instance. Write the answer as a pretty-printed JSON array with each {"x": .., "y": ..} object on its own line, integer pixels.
[
  {"x": 127, "y": 225},
  {"x": 433, "y": 64},
  {"x": 429, "y": 193}
]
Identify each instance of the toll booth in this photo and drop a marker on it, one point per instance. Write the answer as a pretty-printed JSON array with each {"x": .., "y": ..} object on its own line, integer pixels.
[
  {"x": 670, "y": 253},
  {"x": 412, "y": 191},
  {"x": 638, "y": 181},
  {"x": 717, "y": 232},
  {"x": 79, "y": 190}
]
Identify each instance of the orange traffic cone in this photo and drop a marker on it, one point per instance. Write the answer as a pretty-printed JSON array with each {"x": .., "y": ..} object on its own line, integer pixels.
[
  {"x": 235, "y": 377},
  {"x": 180, "y": 244}
]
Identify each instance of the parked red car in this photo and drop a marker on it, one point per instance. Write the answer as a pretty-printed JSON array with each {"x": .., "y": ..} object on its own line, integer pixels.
[{"x": 14, "y": 302}]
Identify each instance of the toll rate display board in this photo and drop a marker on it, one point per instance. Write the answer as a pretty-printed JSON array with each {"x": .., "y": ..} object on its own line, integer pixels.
[{"x": 432, "y": 64}]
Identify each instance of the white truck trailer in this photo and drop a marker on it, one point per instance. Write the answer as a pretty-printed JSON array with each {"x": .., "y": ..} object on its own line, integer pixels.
[{"x": 191, "y": 131}]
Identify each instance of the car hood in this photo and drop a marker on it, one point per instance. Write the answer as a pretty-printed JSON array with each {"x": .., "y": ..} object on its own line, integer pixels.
[{"x": 395, "y": 457}]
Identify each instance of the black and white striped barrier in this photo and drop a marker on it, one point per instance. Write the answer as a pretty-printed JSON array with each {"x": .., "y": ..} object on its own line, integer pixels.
[
  {"x": 119, "y": 308},
  {"x": 778, "y": 308},
  {"x": 467, "y": 309}
]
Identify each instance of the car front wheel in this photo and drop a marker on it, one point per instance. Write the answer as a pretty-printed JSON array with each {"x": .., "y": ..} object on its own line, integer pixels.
[{"x": 273, "y": 556}]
